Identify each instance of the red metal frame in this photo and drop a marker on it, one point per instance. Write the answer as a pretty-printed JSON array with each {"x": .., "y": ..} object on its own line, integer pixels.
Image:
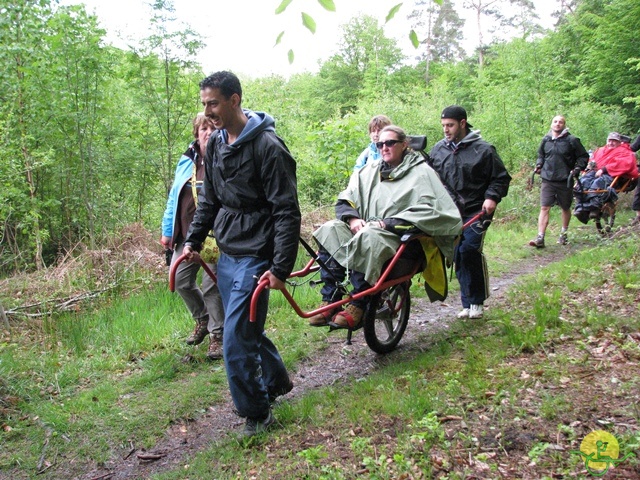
[
  {"x": 174, "y": 267},
  {"x": 311, "y": 266},
  {"x": 380, "y": 285}
]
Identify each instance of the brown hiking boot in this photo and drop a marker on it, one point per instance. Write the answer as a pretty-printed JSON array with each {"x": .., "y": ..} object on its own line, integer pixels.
[
  {"x": 322, "y": 319},
  {"x": 199, "y": 333},
  {"x": 214, "y": 352},
  {"x": 350, "y": 317}
]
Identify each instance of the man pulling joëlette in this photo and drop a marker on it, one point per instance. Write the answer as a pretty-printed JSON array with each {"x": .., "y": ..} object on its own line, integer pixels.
[{"x": 250, "y": 199}]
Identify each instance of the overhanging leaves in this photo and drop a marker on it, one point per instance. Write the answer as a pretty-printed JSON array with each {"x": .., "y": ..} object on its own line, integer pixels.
[
  {"x": 413, "y": 36},
  {"x": 328, "y": 5},
  {"x": 279, "y": 38},
  {"x": 392, "y": 12},
  {"x": 309, "y": 22},
  {"x": 283, "y": 6}
]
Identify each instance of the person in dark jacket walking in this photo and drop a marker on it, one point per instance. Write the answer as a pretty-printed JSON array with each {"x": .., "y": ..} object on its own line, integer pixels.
[
  {"x": 470, "y": 167},
  {"x": 251, "y": 202},
  {"x": 635, "y": 146},
  {"x": 560, "y": 155}
]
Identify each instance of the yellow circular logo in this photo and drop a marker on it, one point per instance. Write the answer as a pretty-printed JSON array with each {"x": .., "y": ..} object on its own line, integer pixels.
[{"x": 600, "y": 450}]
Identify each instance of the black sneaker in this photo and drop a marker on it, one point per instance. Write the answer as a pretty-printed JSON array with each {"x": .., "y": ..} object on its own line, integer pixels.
[
  {"x": 254, "y": 426},
  {"x": 279, "y": 390}
]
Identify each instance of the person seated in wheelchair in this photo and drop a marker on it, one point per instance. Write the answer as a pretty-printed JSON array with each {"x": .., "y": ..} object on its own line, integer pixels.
[
  {"x": 385, "y": 199},
  {"x": 593, "y": 189}
]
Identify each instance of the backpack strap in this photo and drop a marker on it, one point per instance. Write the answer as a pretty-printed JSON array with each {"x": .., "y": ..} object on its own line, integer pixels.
[{"x": 194, "y": 188}]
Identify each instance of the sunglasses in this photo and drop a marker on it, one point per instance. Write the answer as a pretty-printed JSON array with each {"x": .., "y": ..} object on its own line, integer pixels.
[{"x": 387, "y": 143}]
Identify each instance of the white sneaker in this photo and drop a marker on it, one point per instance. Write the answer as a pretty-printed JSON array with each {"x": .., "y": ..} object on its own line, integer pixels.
[
  {"x": 464, "y": 313},
  {"x": 475, "y": 311}
]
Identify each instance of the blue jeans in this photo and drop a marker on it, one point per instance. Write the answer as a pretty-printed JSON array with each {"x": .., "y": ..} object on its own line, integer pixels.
[
  {"x": 471, "y": 266},
  {"x": 252, "y": 361}
]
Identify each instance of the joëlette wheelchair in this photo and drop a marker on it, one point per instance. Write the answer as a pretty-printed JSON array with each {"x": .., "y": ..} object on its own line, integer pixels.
[
  {"x": 387, "y": 313},
  {"x": 599, "y": 202}
]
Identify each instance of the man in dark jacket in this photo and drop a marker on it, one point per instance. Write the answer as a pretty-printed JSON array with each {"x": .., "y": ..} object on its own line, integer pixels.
[
  {"x": 250, "y": 200},
  {"x": 635, "y": 146},
  {"x": 560, "y": 155},
  {"x": 472, "y": 168}
]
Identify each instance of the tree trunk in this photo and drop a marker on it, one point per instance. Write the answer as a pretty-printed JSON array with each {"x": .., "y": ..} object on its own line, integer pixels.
[{"x": 28, "y": 168}]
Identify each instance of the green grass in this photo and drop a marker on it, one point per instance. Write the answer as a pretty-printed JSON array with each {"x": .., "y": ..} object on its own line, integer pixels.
[
  {"x": 451, "y": 378},
  {"x": 89, "y": 383}
]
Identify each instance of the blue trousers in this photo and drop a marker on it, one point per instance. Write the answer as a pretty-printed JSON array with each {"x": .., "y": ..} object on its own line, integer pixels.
[
  {"x": 252, "y": 361},
  {"x": 471, "y": 266}
]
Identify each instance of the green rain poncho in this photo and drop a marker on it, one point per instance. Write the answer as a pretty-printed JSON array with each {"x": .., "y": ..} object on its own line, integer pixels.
[{"x": 412, "y": 193}]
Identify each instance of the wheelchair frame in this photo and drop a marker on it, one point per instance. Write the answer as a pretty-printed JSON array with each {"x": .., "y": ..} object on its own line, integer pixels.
[
  {"x": 387, "y": 313},
  {"x": 608, "y": 210}
]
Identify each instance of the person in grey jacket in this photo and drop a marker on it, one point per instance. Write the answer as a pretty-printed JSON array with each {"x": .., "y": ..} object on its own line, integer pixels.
[
  {"x": 560, "y": 155},
  {"x": 472, "y": 169},
  {"x": 250, "y": 200}
]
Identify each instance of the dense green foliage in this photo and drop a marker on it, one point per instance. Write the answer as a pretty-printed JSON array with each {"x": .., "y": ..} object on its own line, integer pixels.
[{"x": 90, "y": 134}]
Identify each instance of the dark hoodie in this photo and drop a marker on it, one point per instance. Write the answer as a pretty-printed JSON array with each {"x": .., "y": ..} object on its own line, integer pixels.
[
  {"x": 250, "y": 196},
  {"x": 473, "y": 169},
  {"x": 558, "y": 157}
]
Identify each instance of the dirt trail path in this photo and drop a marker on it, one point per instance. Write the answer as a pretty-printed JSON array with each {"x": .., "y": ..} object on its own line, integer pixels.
[{"x": 184, "y": 440}]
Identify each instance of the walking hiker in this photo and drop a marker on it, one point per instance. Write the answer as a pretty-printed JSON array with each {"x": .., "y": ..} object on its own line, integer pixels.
[
  {"x": 204, "y": 303},
  {"x": 472, "y": 168},
  {"x": 250, "y": 200},
  {"x": 560, "y": 155},
  {"x": 635, "y": 146}
]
